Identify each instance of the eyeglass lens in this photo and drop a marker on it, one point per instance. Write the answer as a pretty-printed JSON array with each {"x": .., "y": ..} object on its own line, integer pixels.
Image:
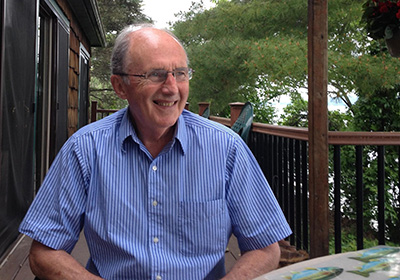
[{"x": 160, "y": 75}]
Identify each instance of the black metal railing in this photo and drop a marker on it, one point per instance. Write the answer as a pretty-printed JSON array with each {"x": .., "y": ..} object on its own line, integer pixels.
[
  {"x": 284, "y": 162},
  {"x": 283, "y": 156}
]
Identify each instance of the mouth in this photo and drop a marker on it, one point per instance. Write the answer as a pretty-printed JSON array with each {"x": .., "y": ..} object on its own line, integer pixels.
[{"x": 165, "y": 104}]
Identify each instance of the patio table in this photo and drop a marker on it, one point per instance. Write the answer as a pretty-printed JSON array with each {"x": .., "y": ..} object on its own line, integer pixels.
[{"x": 380, "y": 262}]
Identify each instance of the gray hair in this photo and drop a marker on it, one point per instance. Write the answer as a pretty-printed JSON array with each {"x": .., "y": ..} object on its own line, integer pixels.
[{"x": 121, "y": 46}]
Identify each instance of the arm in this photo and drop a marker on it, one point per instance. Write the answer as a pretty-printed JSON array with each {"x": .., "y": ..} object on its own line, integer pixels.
[
  {"x": 255, "y": 263},
  {"x": 47, "y": 263}
]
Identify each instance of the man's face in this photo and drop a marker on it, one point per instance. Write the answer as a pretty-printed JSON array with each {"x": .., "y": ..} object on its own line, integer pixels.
[{"x": 155, "y": 106}]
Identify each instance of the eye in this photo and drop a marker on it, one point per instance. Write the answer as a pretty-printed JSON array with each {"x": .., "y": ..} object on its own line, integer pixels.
[
  {"x": 180, "y": 73},
  {"x": 156, "y": 73}
]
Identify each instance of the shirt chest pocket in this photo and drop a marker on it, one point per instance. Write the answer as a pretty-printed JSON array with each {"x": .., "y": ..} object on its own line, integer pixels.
[{"x": 202, "y": 227}]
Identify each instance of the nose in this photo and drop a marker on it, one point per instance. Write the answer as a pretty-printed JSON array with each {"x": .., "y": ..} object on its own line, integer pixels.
[{"x": 170, "y": 83}]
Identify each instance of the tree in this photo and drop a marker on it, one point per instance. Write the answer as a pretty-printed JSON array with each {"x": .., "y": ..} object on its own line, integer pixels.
[
  {"x": 115, "y": 15},
  {"x": 381, "y": 112},
  {"x": 259, "y": 48}
]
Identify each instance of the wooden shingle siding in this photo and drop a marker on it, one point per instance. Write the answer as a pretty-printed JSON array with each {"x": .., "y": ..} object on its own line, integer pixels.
[{"x": 76, "y": 39}]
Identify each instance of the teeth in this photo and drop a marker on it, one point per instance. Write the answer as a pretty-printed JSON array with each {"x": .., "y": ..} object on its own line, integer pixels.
[{"x": 166, "y": 104}]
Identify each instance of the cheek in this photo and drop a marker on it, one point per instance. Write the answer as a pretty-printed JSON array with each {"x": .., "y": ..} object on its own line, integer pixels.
[
  {"x": 142, "y": 83},
  {"x": 184, "y": 90}
]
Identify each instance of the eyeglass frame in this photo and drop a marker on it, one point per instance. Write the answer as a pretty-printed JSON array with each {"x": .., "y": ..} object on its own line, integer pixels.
[{"x": 189, "y": 71}]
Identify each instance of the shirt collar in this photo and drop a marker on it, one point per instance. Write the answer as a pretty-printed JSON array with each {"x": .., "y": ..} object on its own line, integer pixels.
[
  {"x": 127, "y": 130},
  {"x": 181, "y": 133}
]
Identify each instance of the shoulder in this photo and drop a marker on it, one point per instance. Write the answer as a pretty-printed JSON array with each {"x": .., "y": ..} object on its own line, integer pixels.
[
  {"x": 104, "y": 125},
  {"x": 201, "y": 124},
  {"x": 96, "y": 133}
]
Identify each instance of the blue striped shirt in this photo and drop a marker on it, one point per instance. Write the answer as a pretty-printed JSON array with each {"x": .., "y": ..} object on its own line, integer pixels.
[{"x": 168, "y": 217}]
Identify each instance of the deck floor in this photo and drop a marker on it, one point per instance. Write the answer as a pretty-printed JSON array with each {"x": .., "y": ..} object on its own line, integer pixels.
[{"x": 16, "y": 266}]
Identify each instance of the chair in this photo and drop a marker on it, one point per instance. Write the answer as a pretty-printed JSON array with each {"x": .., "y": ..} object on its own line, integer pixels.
[
  {"x": 206, "y": 113},
  {"x": 242, "y": 125}
]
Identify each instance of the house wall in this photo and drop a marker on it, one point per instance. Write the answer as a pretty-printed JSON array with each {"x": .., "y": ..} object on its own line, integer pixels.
[
  {"x": 76, "y": 38},
  {"x": 17, "y": 84},
  {"x": 19, "y": 168}
]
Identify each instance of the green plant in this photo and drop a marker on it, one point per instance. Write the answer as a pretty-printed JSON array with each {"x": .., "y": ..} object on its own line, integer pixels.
[{"x": 381, "y": 18}]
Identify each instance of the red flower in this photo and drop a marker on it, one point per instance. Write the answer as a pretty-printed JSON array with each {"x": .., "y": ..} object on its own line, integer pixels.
[
  {"x": 398, "y": 3},
  {"x": 398, "y": 14},
  {"x": 383, "y": 8}
]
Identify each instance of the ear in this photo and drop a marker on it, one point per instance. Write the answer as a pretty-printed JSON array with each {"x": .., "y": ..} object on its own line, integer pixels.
[{"x": 119, "y": 86}]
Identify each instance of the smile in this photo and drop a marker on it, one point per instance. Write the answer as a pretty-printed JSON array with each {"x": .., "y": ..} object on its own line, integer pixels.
[{"x": 165, "y": 104}]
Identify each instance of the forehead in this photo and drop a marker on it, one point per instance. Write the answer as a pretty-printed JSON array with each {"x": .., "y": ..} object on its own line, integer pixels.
[{"x": 153, "y": 48}]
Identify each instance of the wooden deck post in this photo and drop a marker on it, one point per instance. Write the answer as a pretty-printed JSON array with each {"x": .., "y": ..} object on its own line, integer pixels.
[
  {"x": 318, "y": 126},
  {"x": 236, "y": 107},
  {"x": 93, "y": 115}
]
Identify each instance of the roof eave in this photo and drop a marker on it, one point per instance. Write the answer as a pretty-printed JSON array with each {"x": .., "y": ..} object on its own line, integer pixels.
[{"x": 88, "y": 16}]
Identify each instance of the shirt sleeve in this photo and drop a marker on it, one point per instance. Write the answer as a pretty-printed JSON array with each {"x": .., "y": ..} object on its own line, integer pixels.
[
  {"x": 55, "y": 217},
  {"x": 257, "y": 219}
]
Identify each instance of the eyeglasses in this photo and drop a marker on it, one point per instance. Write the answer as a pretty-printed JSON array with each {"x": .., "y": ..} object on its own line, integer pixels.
[{"x": 159, "y": 75}]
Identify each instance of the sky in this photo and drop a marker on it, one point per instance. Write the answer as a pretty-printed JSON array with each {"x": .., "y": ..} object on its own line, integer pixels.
[{"x": 163, "y": 11}]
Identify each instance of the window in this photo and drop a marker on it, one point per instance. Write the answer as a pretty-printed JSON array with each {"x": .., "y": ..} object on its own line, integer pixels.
[
  {"x": 83, "y": 87},
  {"x": 51, "y": 86}
]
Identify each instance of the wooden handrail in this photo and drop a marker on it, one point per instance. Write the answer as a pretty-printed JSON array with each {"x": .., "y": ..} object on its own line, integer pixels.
[
  {"x": 94, "y": 111},
  {"x": 361, "y": 138},
  {"x": 364, "y": 138}
]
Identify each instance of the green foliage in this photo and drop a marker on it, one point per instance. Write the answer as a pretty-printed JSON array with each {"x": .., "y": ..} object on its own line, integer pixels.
[
  {"x": 338, "y": 121},
  {"x": 349, "y": 241},
  {"x": 115, "y": 15},
  {"x": 258, "y": 47},
  {"x": 378, "y": 111},
  {"x": 234, "y": 46},
  {"x": 296, "y": 113}
]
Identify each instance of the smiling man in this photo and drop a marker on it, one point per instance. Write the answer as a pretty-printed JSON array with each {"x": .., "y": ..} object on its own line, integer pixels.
[
  {"x": 156, "y": 96},
  {"x": 157, "y": 190}
]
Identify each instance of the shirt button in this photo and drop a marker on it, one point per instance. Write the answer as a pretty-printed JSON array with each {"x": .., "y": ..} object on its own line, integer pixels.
[
  {"x": 155, "y": 203},
  {"x": 158, "y": 277},
  {"x": 155, "y": 240},
  {"x": 154, "y": 167}
]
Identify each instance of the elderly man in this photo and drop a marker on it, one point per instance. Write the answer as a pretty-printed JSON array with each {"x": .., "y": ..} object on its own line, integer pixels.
[{"x": 158, "y": 190}]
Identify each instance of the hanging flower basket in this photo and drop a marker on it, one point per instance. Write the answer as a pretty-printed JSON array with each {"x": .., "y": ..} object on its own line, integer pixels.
[
  {"x": 393, "y": 44},
  {"x": 382, "y": 21}
]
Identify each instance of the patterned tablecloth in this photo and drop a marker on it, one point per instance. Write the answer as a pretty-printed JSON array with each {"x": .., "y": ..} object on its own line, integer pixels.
[{"x": 380, "y": 262}]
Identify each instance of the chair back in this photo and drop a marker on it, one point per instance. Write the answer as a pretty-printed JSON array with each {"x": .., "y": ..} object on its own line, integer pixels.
[
  {"x": 206, "y": 113},
  {"x": 242, "y": 125}
]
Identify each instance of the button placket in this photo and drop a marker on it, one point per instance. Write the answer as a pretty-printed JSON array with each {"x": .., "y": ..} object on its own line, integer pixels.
[{"x": 155, "y": 193}]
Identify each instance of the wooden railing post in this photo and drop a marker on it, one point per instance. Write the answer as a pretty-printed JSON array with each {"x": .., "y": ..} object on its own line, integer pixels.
[
  {"x": 93, "y": 116},
  {"x": 236, "y": 107},
  {"x": 202, "y": 107},
  {"x": 318, "y": 127}
]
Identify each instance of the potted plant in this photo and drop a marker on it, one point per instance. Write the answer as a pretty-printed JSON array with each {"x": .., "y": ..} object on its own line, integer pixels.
[{"x": 382, "y": 21}]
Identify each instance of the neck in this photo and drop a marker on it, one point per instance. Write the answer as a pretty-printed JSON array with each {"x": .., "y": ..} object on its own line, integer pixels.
[{"x": 154, "y": 140}]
